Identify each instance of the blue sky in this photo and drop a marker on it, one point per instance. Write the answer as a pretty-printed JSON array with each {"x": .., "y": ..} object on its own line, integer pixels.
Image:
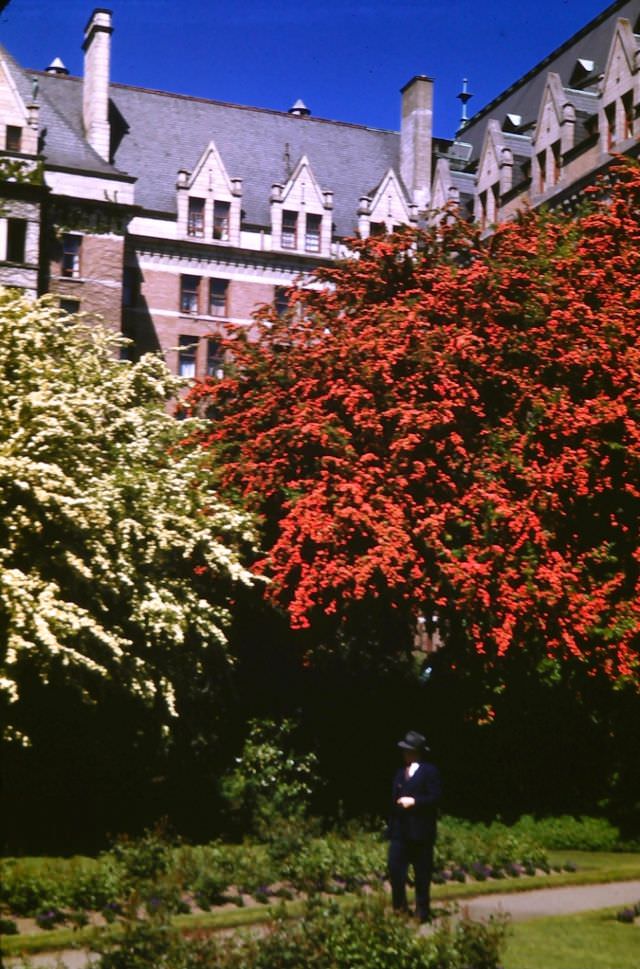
[{"x": 347, "y": 59}]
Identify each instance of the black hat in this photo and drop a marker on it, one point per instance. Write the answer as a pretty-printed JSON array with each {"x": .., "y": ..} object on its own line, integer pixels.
[{"x": 414, "y": 741}]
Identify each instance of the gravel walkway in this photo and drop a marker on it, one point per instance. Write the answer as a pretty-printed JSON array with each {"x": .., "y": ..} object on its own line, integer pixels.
[{"x": 553, "y": 901}]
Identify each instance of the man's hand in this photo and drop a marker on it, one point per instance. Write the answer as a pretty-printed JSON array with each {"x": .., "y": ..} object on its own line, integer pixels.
[{"x": 406, "y": 802}]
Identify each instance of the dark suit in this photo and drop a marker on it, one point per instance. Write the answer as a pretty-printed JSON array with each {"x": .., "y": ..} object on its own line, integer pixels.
[{"x": 412, "y": 833}]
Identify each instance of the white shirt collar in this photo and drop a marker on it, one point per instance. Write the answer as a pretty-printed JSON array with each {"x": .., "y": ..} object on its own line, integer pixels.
[{"x": 413, "y": 768}]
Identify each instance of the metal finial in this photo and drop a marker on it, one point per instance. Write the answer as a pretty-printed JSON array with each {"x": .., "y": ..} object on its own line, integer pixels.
[{"x": 464, "y": 96}]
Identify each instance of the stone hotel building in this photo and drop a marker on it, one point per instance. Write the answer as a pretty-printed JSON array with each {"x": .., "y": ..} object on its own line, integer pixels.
[{"x": 171, "y": 216}]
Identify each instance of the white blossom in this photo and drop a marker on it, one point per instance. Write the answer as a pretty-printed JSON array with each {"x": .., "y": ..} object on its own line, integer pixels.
[{"x": 107, "y": 563}]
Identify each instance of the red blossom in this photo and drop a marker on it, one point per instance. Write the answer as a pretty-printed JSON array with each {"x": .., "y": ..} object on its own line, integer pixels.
[{"x": 455, "y": 424}]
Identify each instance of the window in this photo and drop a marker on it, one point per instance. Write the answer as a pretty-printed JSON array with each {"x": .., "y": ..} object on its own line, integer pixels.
[
  {"x": 71, "y": 255},
  {"x": 377, "y": 229},
  {"x": 482, "y": 199},
  {"x": 215, "y": 359},
  {"x": 281, "y": 300},
  {"x": 13, "y": 138},
  {"x": 557, "y": 161},
  {"x": 289, "y": 230},
  {"x": 187, "y": 354},
  {"x": 195, "y": 220},
  {"x": 189, "y": 288},
  {"x": 16, "y": 238},
  {"x": 627, "y": 107},
  {"x": 312, "y": 234},
  {"x": 542, "y": 171},
  {"x": 218, "y": 297},
  {"x": 70, "y": 306},
  {"x": 221, "y": 220},
  {"x": 610, "y": 122}
]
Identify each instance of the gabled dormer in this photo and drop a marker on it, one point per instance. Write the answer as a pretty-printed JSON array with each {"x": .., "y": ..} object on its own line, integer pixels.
[
  {"x": 495, "y": 175},
  {"x": 302, "y": 213},
  {"x": 386, "y": 209},
  {"x": 452, "y": 192},
  {"x": 554, "y": 135},
  {"x": 209, "y": 202},
  {"x": 620, "y": 89},
  {"x": 18, "y": 121}
]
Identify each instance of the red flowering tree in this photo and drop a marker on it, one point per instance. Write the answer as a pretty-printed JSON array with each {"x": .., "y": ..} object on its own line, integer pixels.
[{"x": 452, "y": 425}]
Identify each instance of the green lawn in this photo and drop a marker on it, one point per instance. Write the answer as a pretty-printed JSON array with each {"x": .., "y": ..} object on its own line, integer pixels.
[{"x": 591, "y": 940}]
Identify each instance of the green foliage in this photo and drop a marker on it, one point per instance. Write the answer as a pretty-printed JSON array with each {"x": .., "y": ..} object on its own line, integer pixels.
[
  {"x": 569, "y": 833},
  {"x": 28, "y": 886},
  {"x": 463, "y": 844},
  {"x": 295, "y": 858},
  {"x": 363, "y": 936},
  {"x": 22, "y": 172},
  {"x": 271, "y": 783}
]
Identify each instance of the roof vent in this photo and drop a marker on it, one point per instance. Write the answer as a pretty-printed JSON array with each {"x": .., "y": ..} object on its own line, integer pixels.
[
  {"x": 583, "y": 72},
  {"x": 57, "y": 67},
  {"x": 300, "y": 110},
  {"x": 512, "y": 122}
]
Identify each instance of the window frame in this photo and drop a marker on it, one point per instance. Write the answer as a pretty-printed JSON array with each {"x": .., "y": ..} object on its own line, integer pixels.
[
  {"x": 281, "y": 302},
  {"x": 195, "y": 217},
  {"x": 221, "y": 220},
  {"x": 218, "y": 300},
  {"x": 312, "y": 232},
  {"x": 13, "y": 138},
  {"x": 188, "y": 355},
  {"x": 190, "y": 294},
  {"x": 70, "y": 262},
  {"x": 289, "y": 229},
  {"x": 215, "y": 358},
  {"x": 16, "y": 240}
]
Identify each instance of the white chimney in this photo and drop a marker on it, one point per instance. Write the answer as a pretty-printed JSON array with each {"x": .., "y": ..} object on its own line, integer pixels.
[
  {"x": 415, "y": 138},
  {"x": 95, "y": 93}
]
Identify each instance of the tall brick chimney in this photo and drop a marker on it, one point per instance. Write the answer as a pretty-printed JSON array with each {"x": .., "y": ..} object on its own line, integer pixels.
[
  {"x": 95, "y": 92},
  {"x": 415, "y": 138}
]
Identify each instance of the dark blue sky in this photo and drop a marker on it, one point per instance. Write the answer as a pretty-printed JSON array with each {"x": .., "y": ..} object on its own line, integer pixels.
[{"x": 346, "y": 59}]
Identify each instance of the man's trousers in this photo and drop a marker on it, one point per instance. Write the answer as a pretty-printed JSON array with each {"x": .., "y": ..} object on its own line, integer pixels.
[{"x": 419, "y": 855}]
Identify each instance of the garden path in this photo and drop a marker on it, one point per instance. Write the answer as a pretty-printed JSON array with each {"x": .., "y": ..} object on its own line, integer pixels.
[{"x": 553, "y": 901}]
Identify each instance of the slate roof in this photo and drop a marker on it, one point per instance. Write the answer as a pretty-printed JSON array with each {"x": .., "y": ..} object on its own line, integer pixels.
[
  {"x": 592, "y": 42},
  {"x": 157, "y": 133}
]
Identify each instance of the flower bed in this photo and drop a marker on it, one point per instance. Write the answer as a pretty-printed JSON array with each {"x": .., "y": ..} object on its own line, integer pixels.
[{"x": 291, "y": 863}]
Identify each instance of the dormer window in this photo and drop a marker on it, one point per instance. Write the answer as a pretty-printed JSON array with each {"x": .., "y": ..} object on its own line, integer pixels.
[
  {"x": 289, "y": 235},
  {"x": 221, "y": 211},
  {"x": 195, "y": 218},
  {"x": 627, "y": 109},
  {"x": 312, "y": 233},
  {"x": 610, "y": 123},
  {"x": 13, "y": 138}
]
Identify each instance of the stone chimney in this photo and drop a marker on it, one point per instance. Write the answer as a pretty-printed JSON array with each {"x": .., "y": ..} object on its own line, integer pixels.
[
  {"x": 415, "y": 138},
  {"x": 95, "y": 93}
]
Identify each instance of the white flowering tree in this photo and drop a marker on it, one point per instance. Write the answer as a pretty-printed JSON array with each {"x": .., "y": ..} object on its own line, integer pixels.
[{"x": 109, "y": 567}]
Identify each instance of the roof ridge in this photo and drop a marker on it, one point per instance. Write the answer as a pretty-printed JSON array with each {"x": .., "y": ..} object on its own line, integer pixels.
[
  {"x": 224, "y": 104},
  {"x": 565, "y": 45}
]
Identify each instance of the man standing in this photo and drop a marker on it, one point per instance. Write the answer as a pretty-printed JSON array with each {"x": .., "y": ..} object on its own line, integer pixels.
[{"x": 412, "y": 825}]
